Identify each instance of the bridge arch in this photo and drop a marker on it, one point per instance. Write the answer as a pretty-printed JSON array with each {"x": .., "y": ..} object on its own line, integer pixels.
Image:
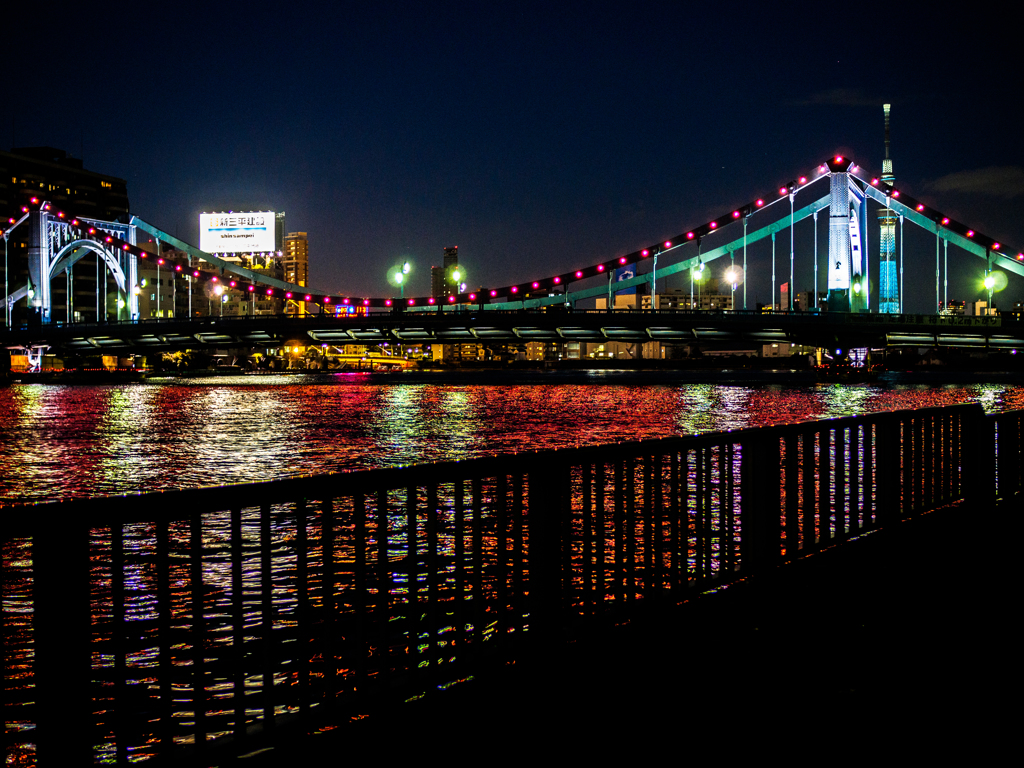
[{"x": 72, "y": 252}]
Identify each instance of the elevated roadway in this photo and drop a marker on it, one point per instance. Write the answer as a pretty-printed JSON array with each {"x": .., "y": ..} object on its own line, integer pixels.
[{"x": 842, "y": 330}]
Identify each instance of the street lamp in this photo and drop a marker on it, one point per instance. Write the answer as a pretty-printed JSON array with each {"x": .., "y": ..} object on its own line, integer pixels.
[
  {"x": 219, "y": 290},
  {"x": 398, "y": 276},
  {"x": 733, "y": 276},
  {"x": 990, "y": 284},
  {"x": 698, "y": 275}
]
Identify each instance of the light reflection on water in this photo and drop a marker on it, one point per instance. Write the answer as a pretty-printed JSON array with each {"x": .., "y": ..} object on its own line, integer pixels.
[{"x": 73, "y": 441}]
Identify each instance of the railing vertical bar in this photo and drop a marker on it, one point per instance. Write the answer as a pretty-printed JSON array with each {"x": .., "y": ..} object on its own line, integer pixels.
[
  {"x": 620, "y": 534},
  {"x": 117, "y": 638},
  {"x": 824, "y": 485},
  {"x": 269, "y": 655},
  {"x": 501, "y": 553},
  {"x": 361, "y": 614},
  {"x": 792, "y": 485},
  {"x": 518, "y": 550},
  {"x": 412, "y": 608},
  {"x": 434, "y": 612},
  {"x": 843, "y": 501},
  {"x": 461, "y": 634},
  {"x": 197, "y": 639},
  {"x": 587, "y": 498},
  {"x": 699, "y": 532},
  {"x": 302, "y": 604},
  {"x": 164, "y": 661},
  {"x": 237, "y": 625},
  {"x": 809, "y": 469},
  {"x": 479, "y": 607},
  {"x": 385, "y": 580},
  {"x": 603, "y": 555},
  {"x": 329, "y": 649}
]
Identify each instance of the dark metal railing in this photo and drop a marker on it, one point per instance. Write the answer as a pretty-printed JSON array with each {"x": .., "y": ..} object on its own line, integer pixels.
[{"x": 166, "y": 624}]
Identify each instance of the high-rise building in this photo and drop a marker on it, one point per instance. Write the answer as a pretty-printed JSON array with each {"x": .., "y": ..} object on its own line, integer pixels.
[
  {"x": 888, "y": 283},
  {"x": 52, "y": 175},
  {"x": 295, "y": 260},
  {"x": 442, "y": 278}
]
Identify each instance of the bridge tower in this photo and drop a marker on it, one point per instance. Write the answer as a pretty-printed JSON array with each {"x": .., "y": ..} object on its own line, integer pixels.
[
  {"x": 848, "y": 267},
  {"x": 54, "y": 246},
  {"x": 888, "y": 286}
]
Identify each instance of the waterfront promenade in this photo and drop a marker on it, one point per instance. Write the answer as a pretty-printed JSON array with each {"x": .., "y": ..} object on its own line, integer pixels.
[
  {"x": 901, "y": 641},
  {"x": 555, "y": 581}
]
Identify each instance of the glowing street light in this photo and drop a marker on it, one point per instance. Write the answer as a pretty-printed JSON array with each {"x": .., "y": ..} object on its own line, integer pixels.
[
  {"x": 398, "y": 276},
  {"x": 990, "y": 284},
  {"x": 732, "y": 274}
]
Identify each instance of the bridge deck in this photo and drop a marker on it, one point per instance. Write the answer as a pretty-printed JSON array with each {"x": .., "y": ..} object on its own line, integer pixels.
[{"x": 501, "y": 326}]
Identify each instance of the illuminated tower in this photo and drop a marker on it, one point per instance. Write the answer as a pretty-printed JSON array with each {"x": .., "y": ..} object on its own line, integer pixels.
[
  {"x": 888, "y": 288},
  {"x": 296, "y": 267}
]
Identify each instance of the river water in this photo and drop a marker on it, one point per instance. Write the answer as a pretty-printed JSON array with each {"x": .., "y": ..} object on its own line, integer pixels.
[{"x": 61, "y": 441}]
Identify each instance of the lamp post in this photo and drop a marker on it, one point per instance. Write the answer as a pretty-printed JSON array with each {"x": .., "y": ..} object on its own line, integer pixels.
[
  {"x": 732, "y": 275},
  {"x": 398, "y": 276},
  {"x": 990, "y": 283}
]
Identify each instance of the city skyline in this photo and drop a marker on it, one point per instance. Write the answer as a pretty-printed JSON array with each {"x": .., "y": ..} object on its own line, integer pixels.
[{"x": 537, "y": 142}]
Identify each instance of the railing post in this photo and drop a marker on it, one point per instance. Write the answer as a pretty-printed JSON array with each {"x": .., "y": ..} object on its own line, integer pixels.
[
  {"x": 61, "y": 639},
  {"x": 978, "y": 452},
  {"x": 887, "y": 470},
  {"x": 548, "y": 513},
  {"x": 761, "y": 502}
]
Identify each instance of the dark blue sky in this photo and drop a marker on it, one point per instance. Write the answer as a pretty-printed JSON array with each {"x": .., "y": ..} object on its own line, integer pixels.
[{"x": 537, "y": 139}]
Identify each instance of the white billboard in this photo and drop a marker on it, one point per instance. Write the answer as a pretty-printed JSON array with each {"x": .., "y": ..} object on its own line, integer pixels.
[{"x": 236, "y": 232}]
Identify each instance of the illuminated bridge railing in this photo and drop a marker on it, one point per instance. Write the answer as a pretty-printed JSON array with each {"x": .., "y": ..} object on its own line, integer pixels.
[{"x": 171, "y": 623}]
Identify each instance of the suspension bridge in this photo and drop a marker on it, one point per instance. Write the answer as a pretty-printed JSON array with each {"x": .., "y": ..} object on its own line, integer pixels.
[{"x": 57, "y": 239}]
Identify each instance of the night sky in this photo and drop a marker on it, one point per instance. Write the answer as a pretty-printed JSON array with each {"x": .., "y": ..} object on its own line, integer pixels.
[{"x": 536, "y": 138}]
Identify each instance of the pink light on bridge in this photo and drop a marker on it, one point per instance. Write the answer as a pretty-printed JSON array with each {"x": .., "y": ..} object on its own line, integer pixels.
[
  {"x": 803, "y": 179},
  {"x": 412, "y": 302},
  {"x": 515, "y": 289},
  {"x": 451, "y": 299},
  {"x": 945, "y": 220},
  {"x": 288, "y": 295},
  {"x": 387, "y": 302},
  {"x": 667, "y": 245},
  {"x": 735, "y": 214},
  {"x": 558, "y": 280},
  {"x": 689, "y": 235},
  {"x": 600, "y": 267},
  {"x": 579, "y": 273},
  {"x": 759, "y": 202},
  {"x": 622, "y": 260},
  {"x": 308, "y": 297},
  {"x": 430, "y": 300},
  {"x": 494, "y": 293},
  {"x": 472, "y": 297},
  {"x": 713, "y": 225},
  {"x": 970, "y": 233},
  {"x": 536, "y": 284},
  {"x": 270, "y": 291},
  {"x": 995, "y": 246},
  {"x": 252, "y": 288},
  {"x": 783, "y": 190}
]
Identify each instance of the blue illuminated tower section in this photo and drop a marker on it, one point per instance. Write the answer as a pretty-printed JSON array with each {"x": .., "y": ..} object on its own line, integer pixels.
[{"x": 888, "y": 281}]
